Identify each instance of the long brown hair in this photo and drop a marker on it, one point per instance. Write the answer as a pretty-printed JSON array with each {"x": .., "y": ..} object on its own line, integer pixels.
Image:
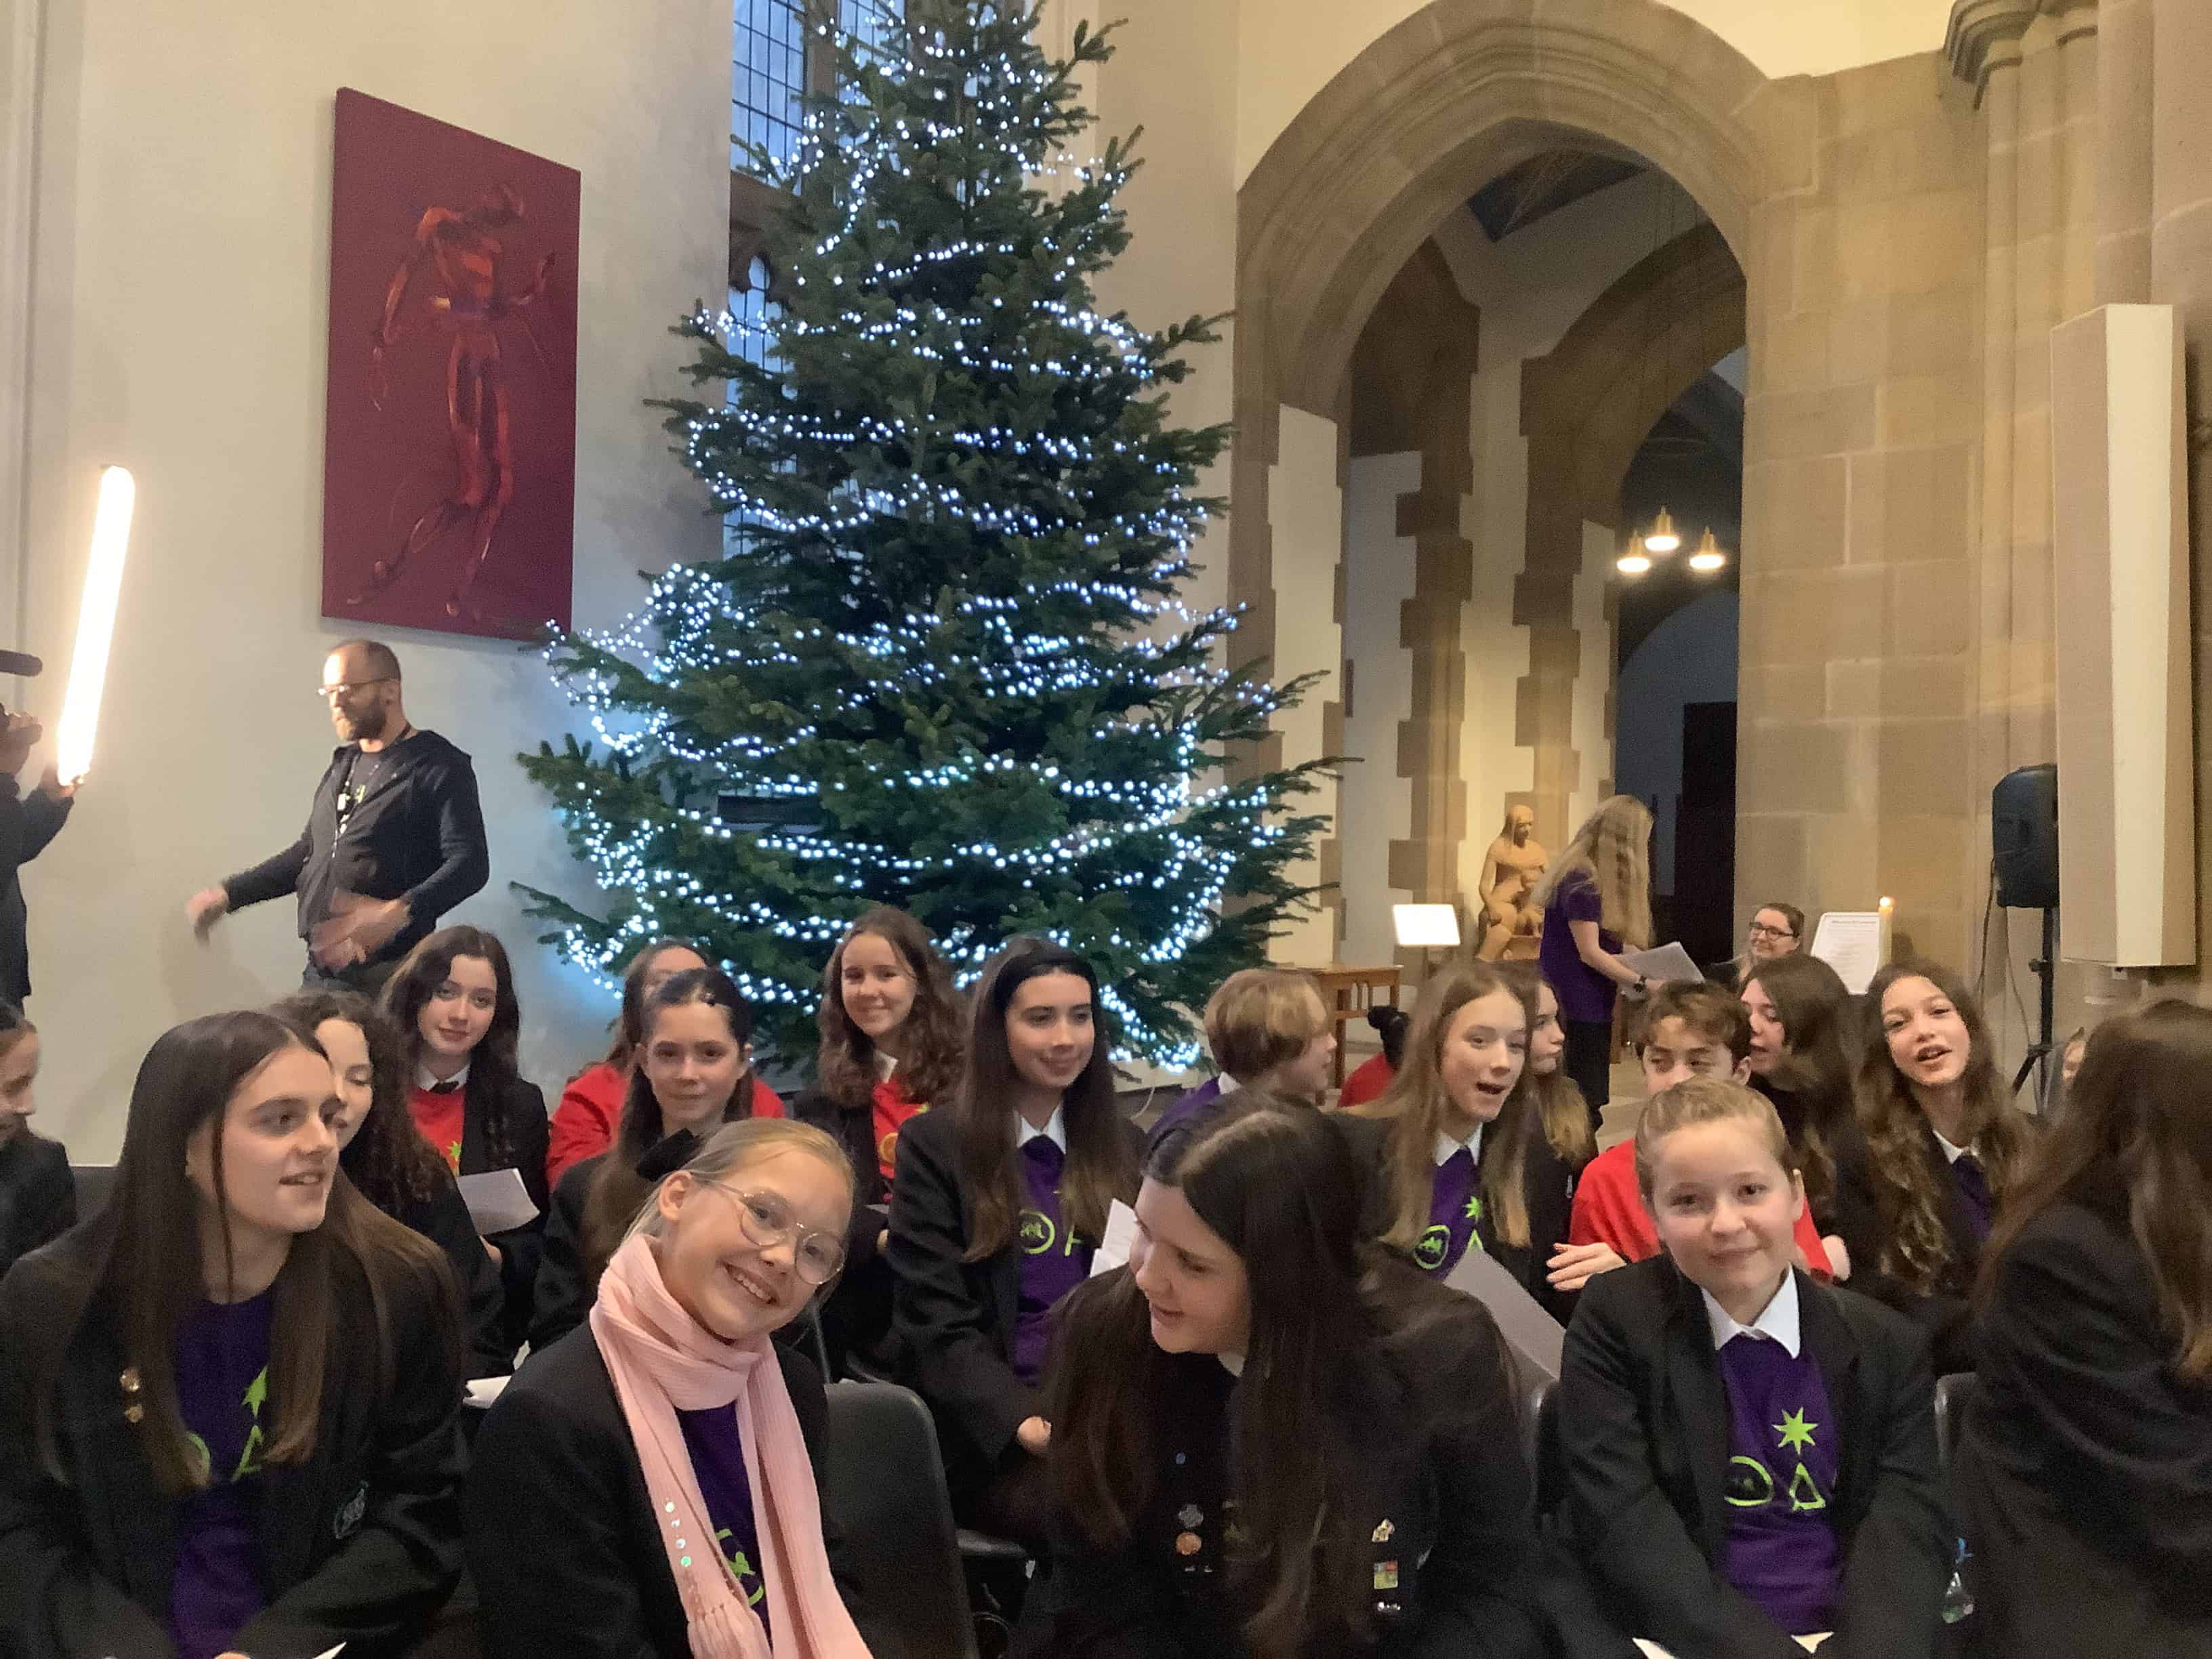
[
  {"x": 1102, "y": 1166},
  {"x": 1281, "y": 1189},
  {"x": 617, "y": 1187},
  {"x": 1915, "y": 1247},
  {"x": 492, "y": 1064},
  {"x": 148, "y": 1273},
  {"x": 929, "y": 1063},
  {"x": 1414, "y": 1106},
  {"x": 1560, "y": 1106},
  {"x": 630, "y": 1021},
  {"x": 1814, "y": 1070},
  {"x": 2135, "y": 1145},
  {"x": 1613, "y": 849},
  {"x": 387, "y": 1157}
]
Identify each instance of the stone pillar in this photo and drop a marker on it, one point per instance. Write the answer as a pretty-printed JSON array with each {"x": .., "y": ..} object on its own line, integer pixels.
[
  {"x": 2124, "y": 151},
  {"x": 2181, "y": 276}
]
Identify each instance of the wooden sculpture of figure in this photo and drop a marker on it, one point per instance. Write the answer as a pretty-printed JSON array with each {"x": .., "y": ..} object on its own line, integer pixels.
[{"x": 1510, "y": 870}]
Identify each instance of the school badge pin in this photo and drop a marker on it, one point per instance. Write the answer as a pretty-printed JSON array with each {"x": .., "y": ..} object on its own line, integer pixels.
[
  {"x": 1386, "y": 1532},
  {"x": 1189, "y": 1516},
  {"x": 1386, "y": 1575},
  {"x": 1188, "y": 1543}
]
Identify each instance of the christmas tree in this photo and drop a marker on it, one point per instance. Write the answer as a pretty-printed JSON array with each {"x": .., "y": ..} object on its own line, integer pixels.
[{"x": 940, "y": 664}]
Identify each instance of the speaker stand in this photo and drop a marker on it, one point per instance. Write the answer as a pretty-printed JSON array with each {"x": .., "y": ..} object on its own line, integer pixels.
[{"x": 2045, "y": 968}]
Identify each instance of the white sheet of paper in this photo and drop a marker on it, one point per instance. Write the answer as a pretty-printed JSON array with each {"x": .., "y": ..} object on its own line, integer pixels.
[
  {"x": 331, "y": 1653},
  {"x": 1663, "y": 964},
  {"x": 497, "y": 1200},
  {"x": 481, "y": 1392},
  {"x": 1112, "y": 1250},
  {"x": 1850, "y": 941},
  {"x": 1534, "y": 1335}
]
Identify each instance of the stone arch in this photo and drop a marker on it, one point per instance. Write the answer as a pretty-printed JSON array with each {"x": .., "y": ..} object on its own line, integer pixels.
[
  {"x": 1585, "y": 408},
  {"x": 1441, "y": 104}
]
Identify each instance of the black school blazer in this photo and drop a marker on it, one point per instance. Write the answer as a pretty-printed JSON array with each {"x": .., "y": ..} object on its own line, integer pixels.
[
  {"x": 444, "y": 1220},
  {"x": 562, "y": 1537},
  {"x": 1947, "y": 1314},
  {"x": 2085, "y": 1469},
  {"x": 38, "y": 1195},
  {"x": 530, "y": 1130},
  {"x": 954, "y": 1319},
  {"x": 1548, "y": 1186},
  {"x": 1446, "y": 1497},
  {"x": 361, "y": 1545},
  {"x": 1643, "y": 1424}
]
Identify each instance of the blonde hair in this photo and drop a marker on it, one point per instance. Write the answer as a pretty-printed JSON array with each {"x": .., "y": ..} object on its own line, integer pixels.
[
  {"x": 1261, "y": 1019},
  {"x": 1414, "y": 1105},
  {"x": 733, "y": 1147},
  {"x": 1699, "y": 1100},
  {"x": 1613, "y": 849}
]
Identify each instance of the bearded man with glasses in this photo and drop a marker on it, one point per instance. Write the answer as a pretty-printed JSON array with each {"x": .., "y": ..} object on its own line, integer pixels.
[{"x": 394, "y": 840}]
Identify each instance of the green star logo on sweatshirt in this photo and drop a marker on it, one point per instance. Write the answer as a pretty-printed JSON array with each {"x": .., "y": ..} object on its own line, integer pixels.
[{"x": 1794, "y": 1430}]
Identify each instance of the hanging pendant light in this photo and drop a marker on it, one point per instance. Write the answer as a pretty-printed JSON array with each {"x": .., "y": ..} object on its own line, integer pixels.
[
  {"x": 1709, "y": 557},
  {"x": 1661, "y": 537},
  {"x": 1631, "y": 562}
]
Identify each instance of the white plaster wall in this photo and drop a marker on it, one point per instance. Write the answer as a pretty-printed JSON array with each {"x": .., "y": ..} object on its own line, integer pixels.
[
  {"x": 1377, "y": 804},
  {"x": 179, "y": 319},
  {"x": 1308, "y": 510}
]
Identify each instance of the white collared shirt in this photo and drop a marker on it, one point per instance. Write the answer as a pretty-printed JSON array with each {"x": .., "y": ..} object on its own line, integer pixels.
[
  {"x": 1231, "y": 1362},
  {"x": 1777, "y": 1320},
  {"x": 1230, "y": 1085},
  {"x": 885, "y": 1064},
  {"x": 1446, "y": 1146},
  {"x": 426, "y": 1079},
  {"x": 1056, "y": 1129},
  {"x": 1951, "y": 1154}
]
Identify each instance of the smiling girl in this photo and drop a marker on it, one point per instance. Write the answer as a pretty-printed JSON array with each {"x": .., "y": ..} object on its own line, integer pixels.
[
  {"x": 1000, "y": 1201},
  {"x": 1273, "y": 1438},
  {"x": 390, "y": 1164},
  {"x": 892, "y": 1045},
  {"x": 1749, "y": 1455},
  {"x": 1942, "y": 1148},
  {"x": 453, "y": 1001},
  {"x": 646, "y": 1486},
  {"x": 228, "y": 1403},
  {"x": 1457, "y": 1141},
  {"x": 693, "y": 1073}
]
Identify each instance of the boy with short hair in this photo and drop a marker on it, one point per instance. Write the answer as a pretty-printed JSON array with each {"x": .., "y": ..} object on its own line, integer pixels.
[{"x": 1689, "y": 1031}]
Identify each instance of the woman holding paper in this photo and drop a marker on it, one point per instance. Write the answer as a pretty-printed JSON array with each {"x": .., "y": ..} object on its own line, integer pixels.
[
  {"x": 229, "y": 1402},
  {"x": 1597, "y": 900},
  {"x": 1271, "y": 1438},
  {"x": 1001, "y": 1199},
  {"x": 646, "y": 1486},
  {"x": 1457, "y": 1141},
  {"x": 694, "y": 1072},
  {"x": 391, "y": 1165},
  {"x": 452, "y": 998}
]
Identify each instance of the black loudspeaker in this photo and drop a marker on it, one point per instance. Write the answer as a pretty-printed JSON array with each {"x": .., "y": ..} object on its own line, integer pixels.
[{"x": 2024, "y": 838}]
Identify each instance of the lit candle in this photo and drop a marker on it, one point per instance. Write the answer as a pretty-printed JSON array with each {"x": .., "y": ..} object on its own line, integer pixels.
[{"x": 95, "y": 625}]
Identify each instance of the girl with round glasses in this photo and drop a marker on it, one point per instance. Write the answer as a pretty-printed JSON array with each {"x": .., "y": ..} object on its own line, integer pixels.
[{"x": 647, "y": 1485}]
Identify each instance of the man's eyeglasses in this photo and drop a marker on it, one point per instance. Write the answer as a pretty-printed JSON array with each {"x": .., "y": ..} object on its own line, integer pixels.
[
  {"x": 768, "y": 1221},
  {"x": 1760, "y": 930},
  {"x": 346, "y": 687}
]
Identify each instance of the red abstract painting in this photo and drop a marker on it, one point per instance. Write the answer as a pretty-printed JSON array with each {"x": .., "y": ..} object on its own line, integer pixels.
[{"x": 449, "y": 473}]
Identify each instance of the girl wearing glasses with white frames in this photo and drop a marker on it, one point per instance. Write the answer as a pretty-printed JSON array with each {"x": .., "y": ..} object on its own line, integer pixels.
[
  {"x": 647, "y": 1485},
  {"x": 694, "y": 1072}
]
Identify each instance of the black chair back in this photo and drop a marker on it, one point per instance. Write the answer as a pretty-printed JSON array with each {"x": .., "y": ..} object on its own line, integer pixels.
[
  {"x": 96, "y": 1182},
  {"x": 1953, "y": 1394},
  {"x": 1549, "y": 1460},
  {"x": 884, "y": 1487}
]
